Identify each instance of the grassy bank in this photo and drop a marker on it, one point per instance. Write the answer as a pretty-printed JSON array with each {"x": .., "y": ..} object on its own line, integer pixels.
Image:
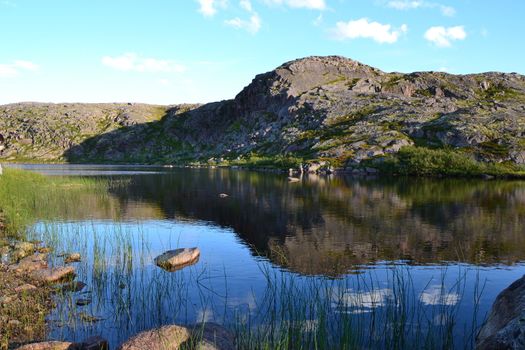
[
  {"x": 25, "y": 195},
  {"x": 421, "y": 161}
]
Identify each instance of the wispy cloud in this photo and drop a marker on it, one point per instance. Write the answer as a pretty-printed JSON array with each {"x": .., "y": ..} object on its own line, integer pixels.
[
  {"x": 308, "y": 4},
  {"x": 252, "y": 24},
  {"x": 437, "y": 295},
  {"x": 8, "y": 70},
  {"x": 443, "y": 37},
  {"x": 208, "y": 8},
  {"x": 132, "y": 62},
  {"x": 363, "y": 28},
  {"x": 415, "y": 4}
]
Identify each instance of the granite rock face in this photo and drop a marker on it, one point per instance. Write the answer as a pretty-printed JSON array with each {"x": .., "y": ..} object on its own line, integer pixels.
[
  {"x": 505, "y": 326},
  {"x": 331, "y": 108}
]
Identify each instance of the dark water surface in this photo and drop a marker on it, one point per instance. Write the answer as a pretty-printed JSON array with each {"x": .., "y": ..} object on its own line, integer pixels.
[{"x": 450, "y": 238}]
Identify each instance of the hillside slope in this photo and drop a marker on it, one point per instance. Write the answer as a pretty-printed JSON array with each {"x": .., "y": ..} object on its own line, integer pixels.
[{"x": 316, "y": 108}]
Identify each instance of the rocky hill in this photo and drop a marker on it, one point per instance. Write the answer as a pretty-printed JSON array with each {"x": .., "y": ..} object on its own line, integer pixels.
[{"x": 323, "y": 109}]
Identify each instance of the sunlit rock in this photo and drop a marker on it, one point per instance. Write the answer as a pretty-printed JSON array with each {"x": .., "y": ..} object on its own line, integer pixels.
[
  {"x": 173, "y": 260},
  {"x": 54, "y": 275},
  {"x": 164, "y": 338}
]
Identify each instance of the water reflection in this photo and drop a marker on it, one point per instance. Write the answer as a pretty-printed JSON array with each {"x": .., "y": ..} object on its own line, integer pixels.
[
  {"x": 351, "y": 233},
  {"x": 330, "y": 225},
  {"x": 327, "y": 226}
]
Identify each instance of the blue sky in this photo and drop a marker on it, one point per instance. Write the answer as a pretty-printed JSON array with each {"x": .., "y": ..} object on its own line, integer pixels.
[{"x": 175, "y": 51}]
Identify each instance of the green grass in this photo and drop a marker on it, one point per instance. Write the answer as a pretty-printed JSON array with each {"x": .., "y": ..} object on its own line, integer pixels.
[
  {"x": 421, "y": 161},
  {"x": 25, "y": 196}
]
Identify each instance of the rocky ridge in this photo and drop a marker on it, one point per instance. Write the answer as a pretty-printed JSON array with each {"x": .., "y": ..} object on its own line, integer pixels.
[{"x": 329, "y": 109}]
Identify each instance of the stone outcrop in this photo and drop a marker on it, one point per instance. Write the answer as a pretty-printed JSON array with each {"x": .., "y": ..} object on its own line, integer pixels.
[
  {"x": 505, "y": 326},
  {"x": 330, "y": 108}
]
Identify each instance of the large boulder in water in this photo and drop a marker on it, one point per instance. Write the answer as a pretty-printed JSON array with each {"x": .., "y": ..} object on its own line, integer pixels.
[
  {"x": 173, "y": 260},
  {"x": 505, "y": 326},
  {"x": 164, "y": 338},
  {"x": 202, "y": 336}
]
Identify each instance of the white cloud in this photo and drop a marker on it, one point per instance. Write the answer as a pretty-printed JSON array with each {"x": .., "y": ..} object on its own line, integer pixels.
[
  {"x": 208, "y": 8},
  {"x": 13, "y": 69},
  {"x": 442, "y": 37},
  {"x": 415, "y": 4},
  {"x": 361, "y": 301},
  {"x": 436, "y": 295},
  {"x": 252, "y": 24},
  {"x": 363, "y": 28},
  {"x": 308, "y": 4},
  {"x": 132, "y": 62}
]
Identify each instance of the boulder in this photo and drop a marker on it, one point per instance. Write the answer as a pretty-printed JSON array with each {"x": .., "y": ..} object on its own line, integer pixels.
[
  {"x": 173, "y": 260},
  {"x": 505, "y": 326},
  {"x": 73, "y": 257},
  {"x": 51, "y": 345},
  {"x": 164, "y": 338},
  {"x": 21, "y": 250},
  {"x": 93, "y": 343},
  {"x": 31, "y": 263},
  {"x": 54, "y": 275}
]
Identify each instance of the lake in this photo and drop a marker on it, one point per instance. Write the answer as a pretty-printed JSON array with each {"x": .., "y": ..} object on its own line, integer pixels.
[{"x": 322, "y": 251}]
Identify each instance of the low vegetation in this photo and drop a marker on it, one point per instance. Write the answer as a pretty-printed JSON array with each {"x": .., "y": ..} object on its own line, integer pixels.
[{"x": 421, "y": 161}]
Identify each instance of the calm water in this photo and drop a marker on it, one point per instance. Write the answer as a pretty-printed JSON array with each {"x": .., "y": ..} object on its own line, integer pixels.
[{"x": 448, "y": 237}]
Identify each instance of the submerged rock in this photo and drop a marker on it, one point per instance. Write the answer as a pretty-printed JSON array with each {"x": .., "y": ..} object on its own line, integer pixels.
[
  {"x": 83, "y": 302},
  {"x": 505, "y": 326},
  {"x": 173, "y": 260},
  {"x": 211, "y": 336},
  {"x": 73, "y": 286},
  {"x": 54, "y": 275},
  {"x": 164, "y": 338}
]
